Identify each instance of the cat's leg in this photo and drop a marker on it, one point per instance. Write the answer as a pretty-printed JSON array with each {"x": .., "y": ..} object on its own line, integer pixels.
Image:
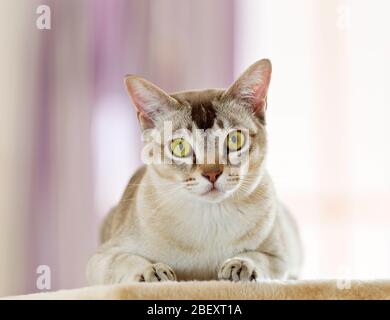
[
  {"x": 112, "y": 266},
  {"x": 252, "y": 265}
]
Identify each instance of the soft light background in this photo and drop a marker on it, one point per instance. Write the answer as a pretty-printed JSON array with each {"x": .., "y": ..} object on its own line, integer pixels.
[{"x": 69, "y": 140}]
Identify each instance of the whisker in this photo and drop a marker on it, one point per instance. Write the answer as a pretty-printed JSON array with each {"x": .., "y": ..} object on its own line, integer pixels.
[
  {"x": 154, "y": 184},
  {"x": 154, "y": 193}
]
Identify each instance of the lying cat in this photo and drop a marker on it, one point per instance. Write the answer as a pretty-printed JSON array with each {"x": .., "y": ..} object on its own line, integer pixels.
[{"x": 191, "y": 218}]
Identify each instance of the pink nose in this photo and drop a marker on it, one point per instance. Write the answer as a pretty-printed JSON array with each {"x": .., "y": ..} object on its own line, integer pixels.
[{"x": 213, "y": 175}]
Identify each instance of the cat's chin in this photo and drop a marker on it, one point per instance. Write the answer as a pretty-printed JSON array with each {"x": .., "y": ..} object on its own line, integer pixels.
[{"x": 212, "y": 196}]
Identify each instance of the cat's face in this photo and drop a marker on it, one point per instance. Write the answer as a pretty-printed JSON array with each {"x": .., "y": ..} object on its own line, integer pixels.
[{"x": 211, "y": 144}]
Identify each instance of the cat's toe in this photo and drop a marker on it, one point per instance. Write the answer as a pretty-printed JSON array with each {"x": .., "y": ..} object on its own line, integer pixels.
[
  {"x": 157, "y": 272},
  {"x": 237, "y": 269}
]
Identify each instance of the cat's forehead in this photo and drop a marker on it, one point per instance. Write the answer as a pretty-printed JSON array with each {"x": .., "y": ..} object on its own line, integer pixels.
[{"x": 208, "y": 109}]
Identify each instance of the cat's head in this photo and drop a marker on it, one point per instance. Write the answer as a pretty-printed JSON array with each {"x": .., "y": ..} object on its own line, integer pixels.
[{"x": 210, "y": 143}]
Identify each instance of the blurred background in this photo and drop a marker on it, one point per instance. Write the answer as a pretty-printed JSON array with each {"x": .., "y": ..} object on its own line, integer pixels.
[{"x": 69, "y": 139}]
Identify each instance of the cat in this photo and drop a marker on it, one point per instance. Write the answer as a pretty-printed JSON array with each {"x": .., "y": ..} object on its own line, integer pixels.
[{"x": 191, "y": 219}]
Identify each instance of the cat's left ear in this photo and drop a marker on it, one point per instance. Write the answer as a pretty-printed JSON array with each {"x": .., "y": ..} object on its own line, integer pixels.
[
  {"x": 150, "y": 101},
  {"x": 251, "y": 87}
]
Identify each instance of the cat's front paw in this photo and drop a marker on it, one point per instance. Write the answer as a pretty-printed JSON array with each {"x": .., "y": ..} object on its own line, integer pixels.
[
  {"x": 156, "y": 272},
  {"x": 237, "y": 269}
]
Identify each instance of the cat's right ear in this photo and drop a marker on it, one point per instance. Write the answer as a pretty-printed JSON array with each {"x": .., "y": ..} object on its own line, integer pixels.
[
  {"x": 149, "y": 100},
  {"x": 251, "y": 87}
]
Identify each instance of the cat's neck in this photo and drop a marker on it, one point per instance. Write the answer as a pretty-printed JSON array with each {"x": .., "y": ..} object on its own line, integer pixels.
[{"x": 194, "y": 221}]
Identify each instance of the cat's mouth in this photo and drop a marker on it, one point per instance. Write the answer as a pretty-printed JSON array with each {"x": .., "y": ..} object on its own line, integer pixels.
[
  {"x": 213, "y": 190},
  {"x": 214, "y": 194}
]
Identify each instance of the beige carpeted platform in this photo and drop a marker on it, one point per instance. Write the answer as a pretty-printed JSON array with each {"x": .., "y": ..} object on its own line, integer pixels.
[{"x": 302, "y": 289}]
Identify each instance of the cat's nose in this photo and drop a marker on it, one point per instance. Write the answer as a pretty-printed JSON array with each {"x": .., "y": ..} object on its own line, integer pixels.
[{"x": 213, "y": 173}]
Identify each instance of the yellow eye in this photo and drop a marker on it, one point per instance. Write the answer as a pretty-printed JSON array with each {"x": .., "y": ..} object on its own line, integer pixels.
[
  {"x": 235, "y": 140},
  {"x": 180, "y": 148}
]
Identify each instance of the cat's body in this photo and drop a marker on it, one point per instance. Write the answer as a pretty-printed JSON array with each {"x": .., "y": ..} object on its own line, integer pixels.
[{"x": 200, "y": 221}]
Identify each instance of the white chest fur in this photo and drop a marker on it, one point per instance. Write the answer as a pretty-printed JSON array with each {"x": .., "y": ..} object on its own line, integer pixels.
[{"x": 196, "y": 238}]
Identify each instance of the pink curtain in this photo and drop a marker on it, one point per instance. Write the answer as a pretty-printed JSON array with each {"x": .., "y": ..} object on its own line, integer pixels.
[{"x": 84, "y": 137}]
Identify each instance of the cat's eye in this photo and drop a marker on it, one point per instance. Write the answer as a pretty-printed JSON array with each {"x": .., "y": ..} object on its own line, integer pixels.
[
  {"x": 180, "y": 148},
  {"x": 235, "y": 140}
]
